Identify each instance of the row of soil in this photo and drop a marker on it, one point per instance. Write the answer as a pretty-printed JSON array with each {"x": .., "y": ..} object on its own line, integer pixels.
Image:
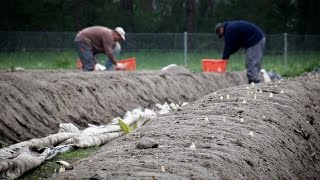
[
  {"x": 34, "y": 103},
  {"x": 268, "y": 131}
]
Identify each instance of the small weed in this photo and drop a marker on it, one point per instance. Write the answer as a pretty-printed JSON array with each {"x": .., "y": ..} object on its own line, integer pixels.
[{"x": 124, "y": 127}]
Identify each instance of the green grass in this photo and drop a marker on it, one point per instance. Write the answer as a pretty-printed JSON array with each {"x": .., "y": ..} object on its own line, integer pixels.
[
  {"x": 47, "y": 169},
  {"x": 38, "y": 60},
  {"x": 154, "y": 60}
]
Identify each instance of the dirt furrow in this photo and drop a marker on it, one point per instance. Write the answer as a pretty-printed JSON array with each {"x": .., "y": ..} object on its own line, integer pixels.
[
  {"x": 38, "y": 101},
  {"x": 249, "y": 135}
]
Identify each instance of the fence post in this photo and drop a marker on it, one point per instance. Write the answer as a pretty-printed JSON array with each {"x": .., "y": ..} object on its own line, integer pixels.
[
  {"x": 285, "y": 50},
  {"x": 185, "y": 49}
]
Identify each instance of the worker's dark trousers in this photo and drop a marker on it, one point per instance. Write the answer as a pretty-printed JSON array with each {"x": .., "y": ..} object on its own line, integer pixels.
[
  {"x": 116, "y": 53},
  {"x": 253, "y": 61},
  {"x": 86, "y": 56}
]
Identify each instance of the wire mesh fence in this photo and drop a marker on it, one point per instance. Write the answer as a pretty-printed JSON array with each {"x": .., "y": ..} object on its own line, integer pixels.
[
  {"x": 35, "y": 41},
  {"x": 184, "y": 43}
]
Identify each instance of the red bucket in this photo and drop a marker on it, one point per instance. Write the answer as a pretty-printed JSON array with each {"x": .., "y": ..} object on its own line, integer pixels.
[
  {"x": 130, "y": 63},
  {"x": 214, "y": 65}
]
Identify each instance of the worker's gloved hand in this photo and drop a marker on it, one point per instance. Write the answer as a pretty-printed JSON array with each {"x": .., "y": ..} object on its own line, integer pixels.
[{"x": 120, "y": 67}]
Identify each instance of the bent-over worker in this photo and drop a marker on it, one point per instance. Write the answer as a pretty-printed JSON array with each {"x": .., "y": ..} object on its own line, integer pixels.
[
  {"x": 98, "y": 39},
  {"x": 243, "y": 34}
]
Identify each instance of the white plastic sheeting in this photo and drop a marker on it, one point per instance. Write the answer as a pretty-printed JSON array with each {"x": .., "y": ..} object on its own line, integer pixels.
[{"x": 22, "y": 157}]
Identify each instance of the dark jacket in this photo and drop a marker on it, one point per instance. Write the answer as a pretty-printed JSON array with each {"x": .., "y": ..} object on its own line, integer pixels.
[{"x": 240, "y": 34}]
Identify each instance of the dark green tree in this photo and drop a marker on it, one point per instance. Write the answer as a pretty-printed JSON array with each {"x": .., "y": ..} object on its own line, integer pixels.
[
  {"x": 273, "y": 16},
  {"x": 308, "y": 22}
]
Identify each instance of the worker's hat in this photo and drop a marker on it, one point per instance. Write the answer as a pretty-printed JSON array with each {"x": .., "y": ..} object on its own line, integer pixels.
[{"x": 121, "y": 32}]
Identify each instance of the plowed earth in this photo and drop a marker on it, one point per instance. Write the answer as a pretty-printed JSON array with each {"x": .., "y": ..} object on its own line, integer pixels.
[
  {"x": 230, "y": 130},
  {"x": 33, "y": 104}
]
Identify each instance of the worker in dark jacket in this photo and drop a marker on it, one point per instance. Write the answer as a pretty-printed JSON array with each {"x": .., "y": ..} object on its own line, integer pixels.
[{"x": 243, "y": 34}]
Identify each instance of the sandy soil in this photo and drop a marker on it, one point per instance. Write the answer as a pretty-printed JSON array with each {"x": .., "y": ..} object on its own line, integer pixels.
[{"x": 240, "y": 137}]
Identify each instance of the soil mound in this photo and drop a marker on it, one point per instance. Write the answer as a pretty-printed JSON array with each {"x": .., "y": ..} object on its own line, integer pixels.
[
  {"x": 268, "y": 131},
  {"x": 34, "y": 103}
]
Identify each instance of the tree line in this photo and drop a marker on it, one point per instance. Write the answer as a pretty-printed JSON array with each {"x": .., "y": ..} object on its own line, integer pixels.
[{"x": 154, "y": 16}]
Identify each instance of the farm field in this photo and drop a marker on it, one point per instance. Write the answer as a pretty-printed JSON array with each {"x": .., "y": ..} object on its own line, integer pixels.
[{"x": 169, "y": 107}]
